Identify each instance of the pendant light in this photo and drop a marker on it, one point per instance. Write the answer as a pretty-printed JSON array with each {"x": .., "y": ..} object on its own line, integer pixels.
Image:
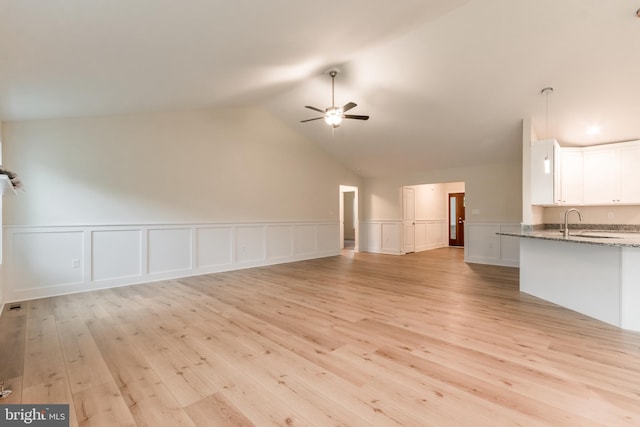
[{"x": 547, "y": 162}]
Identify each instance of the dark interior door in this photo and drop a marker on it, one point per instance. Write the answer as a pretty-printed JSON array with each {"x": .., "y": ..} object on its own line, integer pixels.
[{"x": 456, "y": 219}]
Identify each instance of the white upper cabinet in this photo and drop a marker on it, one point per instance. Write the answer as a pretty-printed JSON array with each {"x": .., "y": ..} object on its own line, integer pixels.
[
  {"x": 545, "y": 172},
  {"x": 601, "y": 176},
  {"x": 572, "y": 177},
  {"x": 630, "y": 175},
  {"x": 597, "y": 175}
]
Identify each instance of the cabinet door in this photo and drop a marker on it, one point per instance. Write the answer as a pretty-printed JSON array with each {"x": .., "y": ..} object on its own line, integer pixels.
[
  {"x": 601, "y": 177},
  {"x": 630, "y": 175},
  {"x": 571, "y": 177}
]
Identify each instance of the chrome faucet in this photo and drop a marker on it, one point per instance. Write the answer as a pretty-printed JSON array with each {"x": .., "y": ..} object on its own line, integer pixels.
[{"x": 566, "y": 220}]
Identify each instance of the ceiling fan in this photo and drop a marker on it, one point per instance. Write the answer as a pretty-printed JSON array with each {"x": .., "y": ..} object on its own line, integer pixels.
[{"x": 333, "y": 115}]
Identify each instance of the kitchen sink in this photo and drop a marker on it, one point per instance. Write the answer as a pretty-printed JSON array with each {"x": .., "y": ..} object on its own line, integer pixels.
[{"x": 595, "y": 234}]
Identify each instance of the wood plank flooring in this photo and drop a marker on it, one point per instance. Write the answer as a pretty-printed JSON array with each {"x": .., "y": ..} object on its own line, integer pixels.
[{"x": 355, "y": 340}]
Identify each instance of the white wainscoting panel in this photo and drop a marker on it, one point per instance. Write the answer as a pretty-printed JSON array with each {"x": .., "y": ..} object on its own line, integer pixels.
[
  {"x": 420, "y": 236},
  {"x": 328, "y": 238},
  {"x": 214, "y": 246},
  {"x": 116, "y": 254},
  {"x": 484, "y": 246},
  {"x": 279, "y": 241},
  {"x": 250, "y": 244},
  {"x": 169, "y": 250},
  {"x": 382, "y": 237},
  {"x": 304, "y": 240},
  {"x": 430, "y": 234},
  {"x": 509, "y": 245},
  {"x": 391, "y": 237},
  {"x": 372, "y": 237},
  {"x": 47, "y": 261}
]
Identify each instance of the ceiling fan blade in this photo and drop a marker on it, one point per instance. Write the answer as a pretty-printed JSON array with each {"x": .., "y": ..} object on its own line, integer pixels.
[
  {"x": 348, "y": 106},
  {"x": 354, "y": 116},
  {"x": 308, "y": 120},
  {"x": 314, "y": 109}
]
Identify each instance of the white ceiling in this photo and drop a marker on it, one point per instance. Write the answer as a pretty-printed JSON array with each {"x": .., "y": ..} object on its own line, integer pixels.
[{"x": 446, "y": 82}]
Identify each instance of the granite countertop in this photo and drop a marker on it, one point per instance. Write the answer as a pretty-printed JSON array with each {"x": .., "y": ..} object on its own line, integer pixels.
[{"x": 586, "y": 236}]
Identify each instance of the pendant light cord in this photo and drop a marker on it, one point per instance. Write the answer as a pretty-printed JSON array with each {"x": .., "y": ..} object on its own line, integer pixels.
[
  {"x": 546, "y": 92},
  {"x": 547, "y": 120}
]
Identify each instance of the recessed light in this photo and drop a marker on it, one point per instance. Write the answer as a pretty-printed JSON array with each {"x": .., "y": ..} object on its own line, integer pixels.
[{"x": 593, "y": 130}]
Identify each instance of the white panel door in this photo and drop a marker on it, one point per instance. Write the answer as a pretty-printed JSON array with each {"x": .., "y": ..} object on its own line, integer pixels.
[
  {"x": 630, "y": 175},
  {"x": 408, "y": 219}
]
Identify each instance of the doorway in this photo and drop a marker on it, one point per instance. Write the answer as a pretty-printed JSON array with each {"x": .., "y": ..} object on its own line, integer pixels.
[
  {"x": 456, "y": 219},
  {"x": 349, "y": 235}
]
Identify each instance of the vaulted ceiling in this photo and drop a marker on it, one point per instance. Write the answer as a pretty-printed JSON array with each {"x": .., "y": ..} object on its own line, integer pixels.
[{"x": 446, "y": 82}]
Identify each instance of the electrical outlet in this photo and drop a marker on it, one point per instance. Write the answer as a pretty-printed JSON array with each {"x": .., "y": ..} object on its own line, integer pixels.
[
  {"x": 609, "y": 215},
  {"x": 75, "y": 263}
]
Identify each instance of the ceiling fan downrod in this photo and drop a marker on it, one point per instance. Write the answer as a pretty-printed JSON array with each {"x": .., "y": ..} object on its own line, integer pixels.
[{"x": 333, "y": 74}]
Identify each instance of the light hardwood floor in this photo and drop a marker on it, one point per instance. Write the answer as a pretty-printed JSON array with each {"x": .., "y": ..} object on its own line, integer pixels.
[{"x": 359, "y": 340}]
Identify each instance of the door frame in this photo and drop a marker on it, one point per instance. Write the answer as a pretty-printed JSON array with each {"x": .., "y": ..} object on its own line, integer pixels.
[
  {"x": 460, "y": 222},
  {"x": 356, "y": 221}
]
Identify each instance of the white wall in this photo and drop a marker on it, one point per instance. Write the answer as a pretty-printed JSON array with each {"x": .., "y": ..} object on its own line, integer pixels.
[
  {"x": 493, "y": 203},
  {"x": 430, "y": 201},
  {"x": 530, "y": 214},
  {"x": 493, "y": 191},
  {"x": 195, "y": 166},
  {"x": 125, "y": 199}
]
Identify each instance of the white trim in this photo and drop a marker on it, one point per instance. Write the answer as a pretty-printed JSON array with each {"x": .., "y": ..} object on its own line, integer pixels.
[{"x": 356, "y": 215}]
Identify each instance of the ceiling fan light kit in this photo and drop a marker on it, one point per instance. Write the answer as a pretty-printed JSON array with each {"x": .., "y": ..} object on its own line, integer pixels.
[{"x": 333, "y": 115}]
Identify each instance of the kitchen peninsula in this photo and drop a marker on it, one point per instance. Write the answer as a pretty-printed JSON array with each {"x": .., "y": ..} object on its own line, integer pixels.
[{"x": 596, "y": 273}]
